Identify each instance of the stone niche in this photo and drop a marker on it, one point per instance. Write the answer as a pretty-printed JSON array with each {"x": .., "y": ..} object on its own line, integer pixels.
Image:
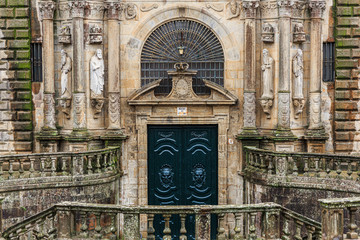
[{"x": 182, "y": 106}]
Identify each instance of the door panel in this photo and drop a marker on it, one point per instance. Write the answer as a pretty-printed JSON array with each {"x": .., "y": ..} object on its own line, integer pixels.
[{"x": 182, "y": 170}]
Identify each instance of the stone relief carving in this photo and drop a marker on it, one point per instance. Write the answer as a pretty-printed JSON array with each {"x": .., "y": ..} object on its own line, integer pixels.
[
  {"x": 250, "y": 8},
  {"x": 215, "y": 7},
  {"x": 77, "y": 8},
  {"x": 114, "y": 107},
  {"x": 130, "y": 11},
  {"x": 315, "y": 108},
  {"x": 65, "y": 35},
  {"x": 65, "y": 80},
  {"x": 299, "y": 34},
  {"x": 249, "y": 110},
  {"x": 285, "y": 7},
  {"x": 47, "y": 9},
  {"x": 317, "y": 8},
  {"x": 144, "y": 8},
  {"x": 284, "y": 110},
  {"x": 267, "y": 34},
  {"x": 233, "y": 9},
  {"x": 97, "y": 82},
  {"x": 79, "y": 110},
  {"x": 95, "y": 34},
  {"x": 267, "y": 97},
  {"x": 298, "y": 70},
  {"x": 49, "y": 110}
]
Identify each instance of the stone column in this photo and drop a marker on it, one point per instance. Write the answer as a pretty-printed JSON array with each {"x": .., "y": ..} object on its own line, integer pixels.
[
  {"x": 113, "y": 10},
  {"x": 316, "y": 8},
  {"x": 285, "y": 11},
  {"x": 47, "y": 14},
  {"x": 79, "y": 98},
  {"x": 249, "y": 87}
]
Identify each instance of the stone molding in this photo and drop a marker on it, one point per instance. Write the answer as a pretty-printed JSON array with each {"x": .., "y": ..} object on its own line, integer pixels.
[
  {"x": 47, "y": 9},
  {"x": 250, "y": 8},
  {"x": 317, "y": 8}
]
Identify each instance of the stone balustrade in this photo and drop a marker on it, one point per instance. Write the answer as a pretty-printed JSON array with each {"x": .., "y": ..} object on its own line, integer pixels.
[
  {"x": 70, "y": 220},
  {"x": 46, "y": 168},
  {"x": 315, "y": 170}
]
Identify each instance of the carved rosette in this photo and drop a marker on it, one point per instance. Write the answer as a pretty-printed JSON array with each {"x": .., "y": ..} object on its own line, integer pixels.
[
  {"x": 285, "y": 7},
  {"x": 77, "y": 8},
  {"x": 299, "y": 104},
  {"x": 250, "y": 8},
  {"x": 79, "y": 110},
  {"x": 114, "y": 109},
  {"x": 266, "y": 104},
  {"x": 315, "y": 111},
  {"x": 249, "y": 110},
  {"x": 317, "y": 8},
  {"x": 49, "y": 111},
  {"x": 267, "y": 34},
  {"x": 114, "y": 9},
  {"x": 47, "y": 9},
  {"x": 284, "y": 110}
]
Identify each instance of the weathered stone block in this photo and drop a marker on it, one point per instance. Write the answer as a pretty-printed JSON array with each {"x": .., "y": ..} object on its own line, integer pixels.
[
  {"x": 23, "y": 95},
  {"x": 346, "y": 105},
  {"x": 9, "y": 33},
  {"x": 4, "y": 105},
  {"x": 2, "y": 3},
  {"x": 17, "y": 23},
  {"x": 345, "y": 94},
  {"x": 7, "y": 116},
  {"x": 21, "y": 12},
  {"x": 343, "y": 146},
  {"x": 24, "y": 74},
  {"x": 348, "y": 42},
  {"x": 23, "y": 136},
  {"x": 343, "y": 31},
  {"x": 356, "y": 53},
  {"x": 22, "y": 34},
  {"x": 348, "y": 2},
  {"x": 2, "y": 23},
  {"x": 23, "y": 54},
  {"x": 22, "y": 126},
  {"x": 355, "y": 32},
  {"x": 355, "y": 73},
  {"x": 348, "y": 21},
  {"x": 348, "y": 63},
  {"x": 19, "y": 65},
  {"x": 343, "y": 52},
  {"x": 20, "y": 105},
  {"x": 340, "y": 115},
  {"x": 19, "y": 3},
  {"x": 7, "y": 54},
  {"x": 7, "y": 12},
  {"x": 22, "y": 146},
  {"x": 6, "y": 95},
  {"x": 356, "y": 11},
  {"x": 18, "y": 43},
  {"x": 342, "y": 136},
  {"x": 349, "y": 126},
  {"x": 20, "y": 85},
  {"x": 344, "y": 11},
  {"x": 24, "y": 116}
]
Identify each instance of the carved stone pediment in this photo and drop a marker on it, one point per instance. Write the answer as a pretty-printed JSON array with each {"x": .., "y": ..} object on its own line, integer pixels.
[{"x": 182, "y": 92}]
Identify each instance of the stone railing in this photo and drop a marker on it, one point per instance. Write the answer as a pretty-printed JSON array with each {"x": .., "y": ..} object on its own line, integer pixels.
[
  {"x": 334, "y": 211},
  {"x": 94, "y": 221},
  {"x": 28, "y": 170},
  {"x": 313, "y": 170}
]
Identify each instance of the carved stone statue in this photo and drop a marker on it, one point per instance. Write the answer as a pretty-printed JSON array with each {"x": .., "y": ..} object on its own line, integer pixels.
[
  {"x": 65, "y": 74},
  {"x": 267, "y": 75},
  {"x": 298, "y": 70},
  {"x": 97, "y": 74}
]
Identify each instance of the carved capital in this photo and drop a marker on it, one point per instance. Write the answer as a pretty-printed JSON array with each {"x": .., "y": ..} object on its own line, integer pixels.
[
  {"x": 317, "y": 8},
  {"x": 78, "y": 8},
  {"x": 285, "y": 7},
  {"x": 47, "y": 9},
  {"x": 114, "y": 9},
  {"x": 49, "y": 111},
  {"x": 299, "y": 104},
  {"x": 250, "y": 8}
]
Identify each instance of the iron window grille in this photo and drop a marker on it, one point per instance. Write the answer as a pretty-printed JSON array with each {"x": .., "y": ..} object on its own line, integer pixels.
[
  {"x": 182, "y": 41},
  {"x": 36, "y": 62},
  {"x": 329, "y": 62}
]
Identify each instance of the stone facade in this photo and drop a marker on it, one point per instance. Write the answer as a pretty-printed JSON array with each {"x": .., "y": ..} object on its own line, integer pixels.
[{"x": 15, "y": 84}]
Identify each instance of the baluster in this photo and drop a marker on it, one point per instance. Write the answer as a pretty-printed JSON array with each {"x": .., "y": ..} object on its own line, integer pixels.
[
  {"x": 250, "y": 160},
  {"x": 1, "y": 170},
  {"x": 98, "y": 166},
  {"x": 352, "y": 233},
  {"x": 113, "y": 227},
  {"x": 349, "y": 170},
  {"x": 167, "y": 230},
  {"x": 183, "y": 228},
  {"x": 306, "y": 166},
  {"x": 105, "y": 162},
  {"x": 310, "y": 232},
  {"x": 21, "y": 168},
  {"x": 63, "y": 165},
  {"x": 271, "y": 165},
  {"x": 262, "y": 162},
  {"x": 221, "y": 229},
  {"x": 286, "y": 228},
  {"x": 252, "y": 227},
  {"x": 237, "y": 229},
  {"x": 98, "y": 228},
  {"x": 131, "y": 230},
  {"x": 43, "y": 173},
  {"x": 32, "y": 170},
  {"x": 151, "y": 229},
  {"x": 111, "y": 161},
  {"x": 11, "y": 171},
  {"x": 84, "y": 226},
  {"x": 295, "y": 168},
  {"x": 317, "y": 167},
  {"x": 338, "y": 168},
  {"x": 89, "y": 166},
  {"x": 358, "y": 171},
  {"x": 298, "y": 225},
  {"x": 53, "y": 166}
]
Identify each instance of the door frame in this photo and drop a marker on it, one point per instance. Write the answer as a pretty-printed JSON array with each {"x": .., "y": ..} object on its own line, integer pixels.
[{"x": 142, "y": 122}]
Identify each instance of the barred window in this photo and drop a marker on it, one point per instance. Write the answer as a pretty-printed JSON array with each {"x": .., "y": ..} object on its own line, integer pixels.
[
  {"x": 36, "y": 62},
  {"x": 329, "y": 62},
  {"x": 182, "y": 41}
]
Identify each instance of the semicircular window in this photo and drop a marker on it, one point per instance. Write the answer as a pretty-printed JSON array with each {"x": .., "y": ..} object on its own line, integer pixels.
[{"x": 182, "y": 41}]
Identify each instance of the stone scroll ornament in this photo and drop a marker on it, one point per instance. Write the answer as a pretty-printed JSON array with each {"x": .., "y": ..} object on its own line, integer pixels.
[
  {"x": 65, "y": 80},
  {"x": 233, "y": 9},
  {"x": 97, "y": 82},
  {"x": 267, "y": 97},
  {"x": 298, "y": 70}
]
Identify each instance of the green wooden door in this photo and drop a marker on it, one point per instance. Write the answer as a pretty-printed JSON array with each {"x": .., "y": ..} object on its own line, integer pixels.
[{"x": 182, "y": 170}]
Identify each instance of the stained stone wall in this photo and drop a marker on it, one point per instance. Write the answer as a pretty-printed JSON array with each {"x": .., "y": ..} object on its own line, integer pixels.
[
  {"x": 15, "y": 75},
  {"x": 347, "y": 107}
]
